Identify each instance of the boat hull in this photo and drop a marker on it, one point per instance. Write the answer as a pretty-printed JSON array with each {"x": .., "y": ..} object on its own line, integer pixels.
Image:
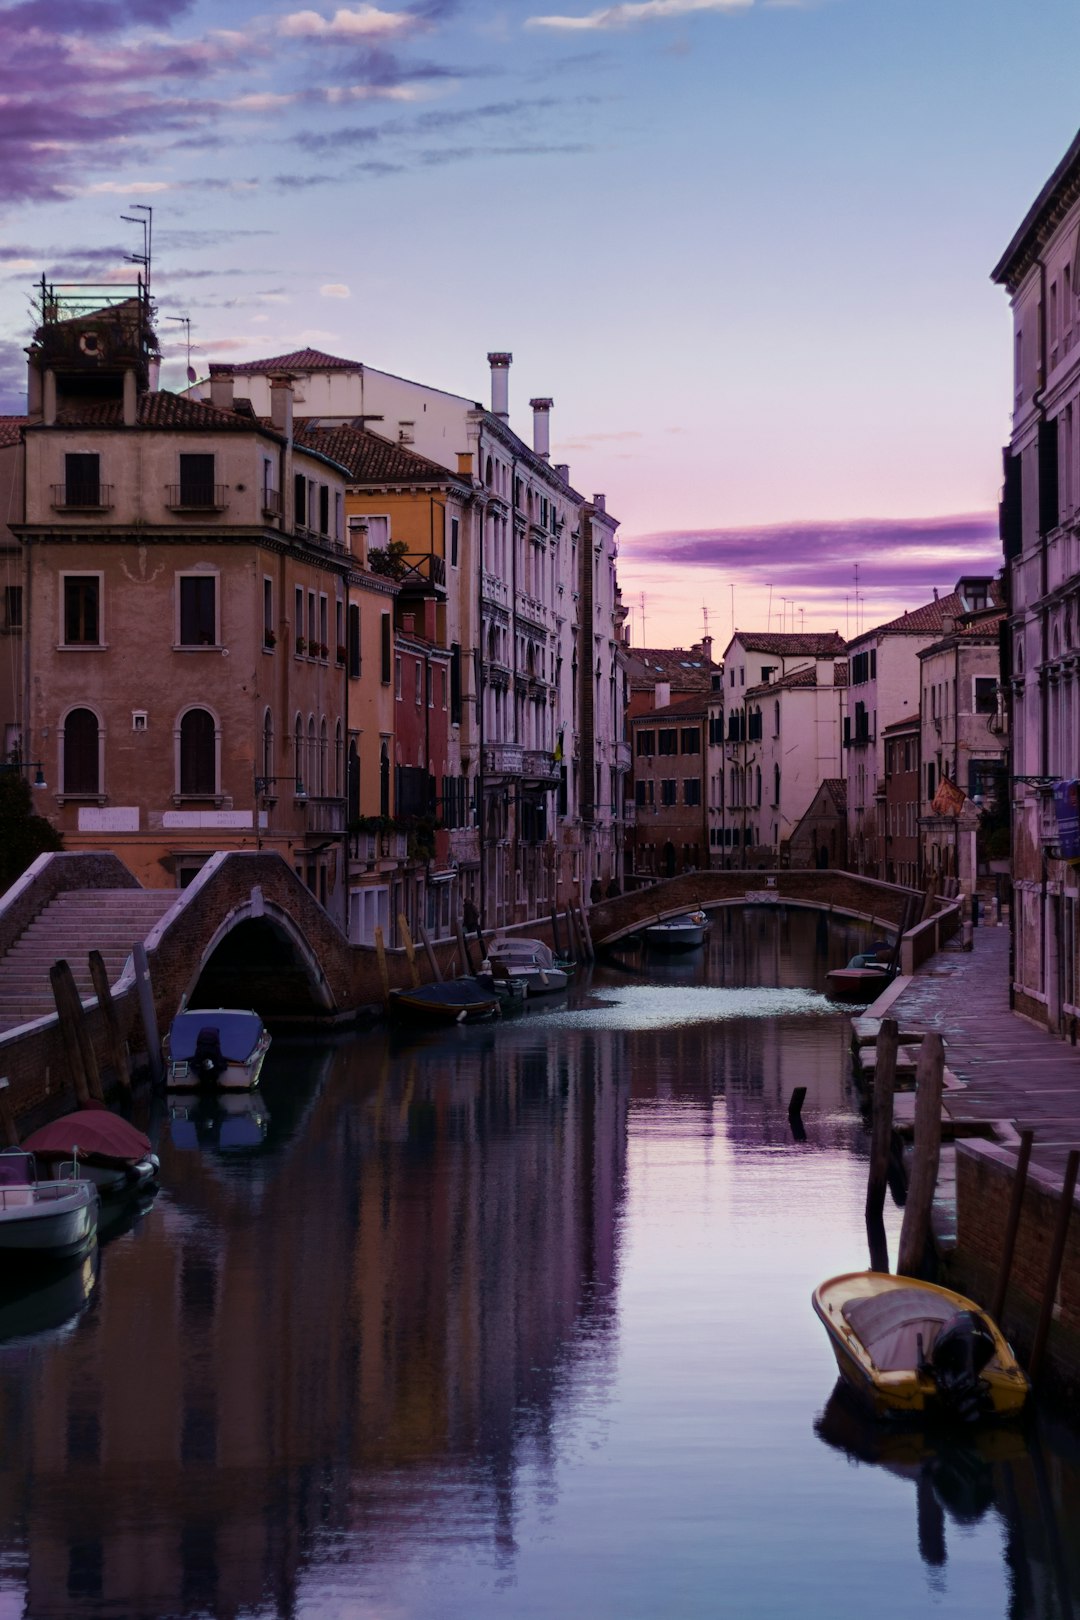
[
  {"x": 857, "y": 984},
  {"x": 56, "y": 1228},
  {"x": 665, "y": 937},
  {"x": 407, "y": 1007},
  {"x": 908, "y": 1391}
]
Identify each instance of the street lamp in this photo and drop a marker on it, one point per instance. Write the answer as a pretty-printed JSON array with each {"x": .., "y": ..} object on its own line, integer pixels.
[{"x": 35, "y": 765}]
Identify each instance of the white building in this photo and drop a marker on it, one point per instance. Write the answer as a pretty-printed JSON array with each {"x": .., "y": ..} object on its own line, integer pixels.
[
  {"x": 883, "y": 688},
  {"x": 1040, "y": 527},
  {"x": 540, "y": 733}
]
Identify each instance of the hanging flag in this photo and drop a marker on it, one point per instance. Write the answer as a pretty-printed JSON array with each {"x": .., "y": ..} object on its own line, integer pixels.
[
  {"x": 948, "y": 800},
  {"x": 558, "y": 754}
]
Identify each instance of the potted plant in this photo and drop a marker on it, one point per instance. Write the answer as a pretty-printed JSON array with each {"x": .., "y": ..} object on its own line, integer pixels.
[
  {"x": 341, "y": 652},
  {"x": 269, "y": 638},
  {"x": 324, "y": 651},
  {"x": 301, "y": 646}
]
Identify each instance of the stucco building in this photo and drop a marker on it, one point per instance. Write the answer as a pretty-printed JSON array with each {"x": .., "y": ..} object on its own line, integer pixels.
[{"x": 1040, "y": 528}]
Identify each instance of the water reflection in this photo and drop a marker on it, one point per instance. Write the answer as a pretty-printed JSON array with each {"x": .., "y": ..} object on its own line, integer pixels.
[{"x": 510, "y": 1320}]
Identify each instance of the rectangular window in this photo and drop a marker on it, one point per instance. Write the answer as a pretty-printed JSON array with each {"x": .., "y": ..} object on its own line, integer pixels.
[
  {"x": 354, "y": 641},
  {"x": 324, "y": 622},
  {"x": 82, "y": 480},
  {"x": 300, "y": 501},
  {"x": 985, "y": 694},
  {"x": 324, "y": 509},
  {"x": 455, "y": 529},
  {"x": 691, "y": 790},
  {"x": 639, "y": 794},
  {"x": 931, "y": 783},
  {"x": 669, "y": 741},
  {"x": 397, "y": 676},
  {"x": 668, "y": 788},
  {"x": 385, "y": 649},
  {"x": 754, "y": 730},
  {"x": 442, "y": 686},
  {"x": 268, "y": 613},
  {"x": 646, "y": 743},
  {"x": 312, "y": 624},
  {"x": 198, "y": 610},
  {"x": 269, "y": 500},
  {"x": 690, "y": 740},
  {"x": 13, "y": 607},
  {"x": 196, "y": 480},
  {"x": 298, "y": 619},
  {"x": 82, "y": 610},
  {"x": 455, "y": 684},
  {"x": 418, "y": 684}
]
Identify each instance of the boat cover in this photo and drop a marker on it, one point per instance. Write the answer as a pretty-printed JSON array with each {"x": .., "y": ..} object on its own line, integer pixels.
[
  {"x": 93, "y": 1131},
  {"x": 889, "y": 1324},
  {"x": 457, "y": 993},
  {"x": 238, "y": 1032}
]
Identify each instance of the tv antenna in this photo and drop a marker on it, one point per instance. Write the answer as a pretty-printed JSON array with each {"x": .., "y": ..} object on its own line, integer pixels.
[
  {"x": 643, "y": 642},
  {"x": 185, "y": 322},
  {"x": 147, "y": 223}
]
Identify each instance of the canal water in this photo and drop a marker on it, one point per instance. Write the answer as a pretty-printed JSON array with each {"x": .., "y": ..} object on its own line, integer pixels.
[{"x": 510, "y": 1321}]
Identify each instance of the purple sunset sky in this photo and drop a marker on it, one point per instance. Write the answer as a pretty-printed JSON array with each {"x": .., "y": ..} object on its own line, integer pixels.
[{"x": 744, "y": 244}]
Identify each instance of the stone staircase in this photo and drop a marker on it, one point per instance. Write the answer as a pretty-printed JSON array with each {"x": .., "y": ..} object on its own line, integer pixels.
[{"x": 71, "y": 926}]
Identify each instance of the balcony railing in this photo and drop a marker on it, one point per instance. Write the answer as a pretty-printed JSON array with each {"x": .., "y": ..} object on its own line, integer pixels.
[
  {"x": 196, "y": 497},
  {"x": 422, "y": 572},
  {"x": 325, "y": 815},
  {"x": 82, "y": 497},
  {"x": 503, "y": 759},
  {"x": 539, "y": 766},
  {"x": 271, "y": 503}
]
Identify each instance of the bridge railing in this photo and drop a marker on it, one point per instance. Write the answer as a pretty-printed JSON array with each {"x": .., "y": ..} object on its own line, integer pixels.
[{"x": 922, "y": 942}]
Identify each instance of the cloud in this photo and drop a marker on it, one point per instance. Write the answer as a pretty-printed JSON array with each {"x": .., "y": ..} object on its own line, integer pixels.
[
  {"x": 626, "y": 15},
  {"x": 335, "y": 289},
  {"x": 816, "y": 559},
  {"x": 12, "y": 378},
  {"x": 363, "y": 22}
]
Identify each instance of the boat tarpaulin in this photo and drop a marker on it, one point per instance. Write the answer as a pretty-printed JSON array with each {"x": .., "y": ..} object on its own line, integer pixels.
[
  {"x": 93, "y": 1131},
  {"x": 237, "y": 1031}
]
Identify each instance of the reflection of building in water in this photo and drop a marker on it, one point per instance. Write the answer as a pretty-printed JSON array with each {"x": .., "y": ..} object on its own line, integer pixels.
[{"x": 360, "y": 1330}]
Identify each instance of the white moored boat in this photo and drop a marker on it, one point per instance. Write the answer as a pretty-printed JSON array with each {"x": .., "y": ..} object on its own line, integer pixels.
[
  {"x": 215, "y": 1046},
  {"x": 529, "y": 960},
  {"x": 49, "y": 1219},
  {"x": 679, "y": 934}
]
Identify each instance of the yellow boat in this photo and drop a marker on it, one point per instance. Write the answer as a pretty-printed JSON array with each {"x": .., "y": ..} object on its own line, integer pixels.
[{"x": 911, "y": 1348}]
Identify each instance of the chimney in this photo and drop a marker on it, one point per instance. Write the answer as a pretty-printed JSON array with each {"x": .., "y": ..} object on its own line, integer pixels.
[
  {"x": 948, "y": 624},
  {"x": 541, "y": 409},
  {"x": 500, "y": 384},
  {"x": 562, "y": 469},
  {"x": 131, "y": 398},
  {"x": 281, "y": 404},
  {"x": 464, "y": 463},
  {"x": 600, "y": 502},
  {"x": 221, "y": 387},
  {"x": 661, "y": 695},
  {"x": 33, "y": 388}
]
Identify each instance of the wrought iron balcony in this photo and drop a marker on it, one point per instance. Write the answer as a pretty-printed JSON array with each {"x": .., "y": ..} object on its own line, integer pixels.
[
  {"x": 82, "y": 497},
  {"x": 196, "y": 497}
]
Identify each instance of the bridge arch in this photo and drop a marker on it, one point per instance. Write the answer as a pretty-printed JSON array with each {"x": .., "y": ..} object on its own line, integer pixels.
[{"x": 258, "y": 956}]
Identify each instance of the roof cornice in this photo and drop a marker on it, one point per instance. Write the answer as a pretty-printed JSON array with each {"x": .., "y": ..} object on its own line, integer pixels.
[{"x": 1044, "y": 216}]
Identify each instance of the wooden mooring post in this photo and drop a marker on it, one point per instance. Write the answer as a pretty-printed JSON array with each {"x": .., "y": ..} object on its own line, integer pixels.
[
  {"x": 433, "y": 961},
  {"x": 1012, "y": 1223},
  {"x": 463, "y": 945},
  {"x": 915, "y": 1232},
  {"x": 147, "y": 1010},
  {"x": 69, "y": 1011},
  {"x": 586, "y": 934},
  {"x": 8, "y": 1127},
  {"x": 116, "y": 1047},
  {"x": 888, "y": 1041},
  {"x": 555, "y": 946},
  {"x": 380, "y": 957},
  {"x": 410, "y": 948},
  {"x": 1053, "y": 1268}
]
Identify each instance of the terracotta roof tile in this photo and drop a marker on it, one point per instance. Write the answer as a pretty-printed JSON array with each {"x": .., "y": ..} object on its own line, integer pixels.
[
  {"x": 685, "y": 668},
  {"x": 823, "y": 644},
  {"x": 157, "y": 410},
  {"x": 297, "y": 360},
  {"x": 11, "y": 430},
  {"x": 685, "y": 709},
  {"x": 368, "y": 458}
]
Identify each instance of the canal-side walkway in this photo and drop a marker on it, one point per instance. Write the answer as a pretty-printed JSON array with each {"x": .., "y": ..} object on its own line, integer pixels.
[{"x": 1011, "y": 1072}]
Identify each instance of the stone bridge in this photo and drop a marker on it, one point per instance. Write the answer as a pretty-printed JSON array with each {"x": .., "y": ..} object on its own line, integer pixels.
[
  {"x": 246, "y": 932},
  {"x": 844, "y": 893}
]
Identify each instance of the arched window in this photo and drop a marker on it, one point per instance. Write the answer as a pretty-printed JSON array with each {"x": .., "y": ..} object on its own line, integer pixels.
[
  {"x": 776, "y": 785},
  {"x": 776, "y": 717},
  {"x": 488, "y": 473},
  {"x": 198, "y": 754},
  {"x": 384, "y": 781},
  {"x": 298, "y": 751},
  {"x": 353, "y": 788},
  {"x": 338, "y": 761},
  {"x": 323, "y": 764},
  {"x": 757, "y": 785},
  {"x": 81, "y": 751},
  {"x": 268, "y": 744},
  {"x": 311, "y": 775}
]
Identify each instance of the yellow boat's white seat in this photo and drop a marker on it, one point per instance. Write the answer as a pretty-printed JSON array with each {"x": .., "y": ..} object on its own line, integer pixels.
[{"x": 889, "y": 1325}]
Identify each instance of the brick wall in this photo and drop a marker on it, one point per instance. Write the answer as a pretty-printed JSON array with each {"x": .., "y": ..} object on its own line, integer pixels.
[{"x": 985, "y": 1174}]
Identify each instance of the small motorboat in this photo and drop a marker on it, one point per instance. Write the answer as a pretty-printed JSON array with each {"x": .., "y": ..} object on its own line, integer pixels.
[
  {"x": 684, "y": 933},
  {"x": 112, "y": 1154},
  {"x": 457, "y": 1001},
  {"x": 866, "y": 975},
  {"x": 215, "y": 1046},
  {"x": 910, "y": 1348},
  {"x": 47, "y": 1219},
  {"x": 530, "y": 960}
]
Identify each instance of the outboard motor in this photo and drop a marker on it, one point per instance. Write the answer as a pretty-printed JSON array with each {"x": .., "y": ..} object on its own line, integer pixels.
[
  {"x": 961, "y": 1351},
  {"x": 209, "y": 1061}
]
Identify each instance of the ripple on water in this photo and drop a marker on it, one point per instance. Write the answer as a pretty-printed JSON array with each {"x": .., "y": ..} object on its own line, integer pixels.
[{"x": 650, "y": 1006}]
